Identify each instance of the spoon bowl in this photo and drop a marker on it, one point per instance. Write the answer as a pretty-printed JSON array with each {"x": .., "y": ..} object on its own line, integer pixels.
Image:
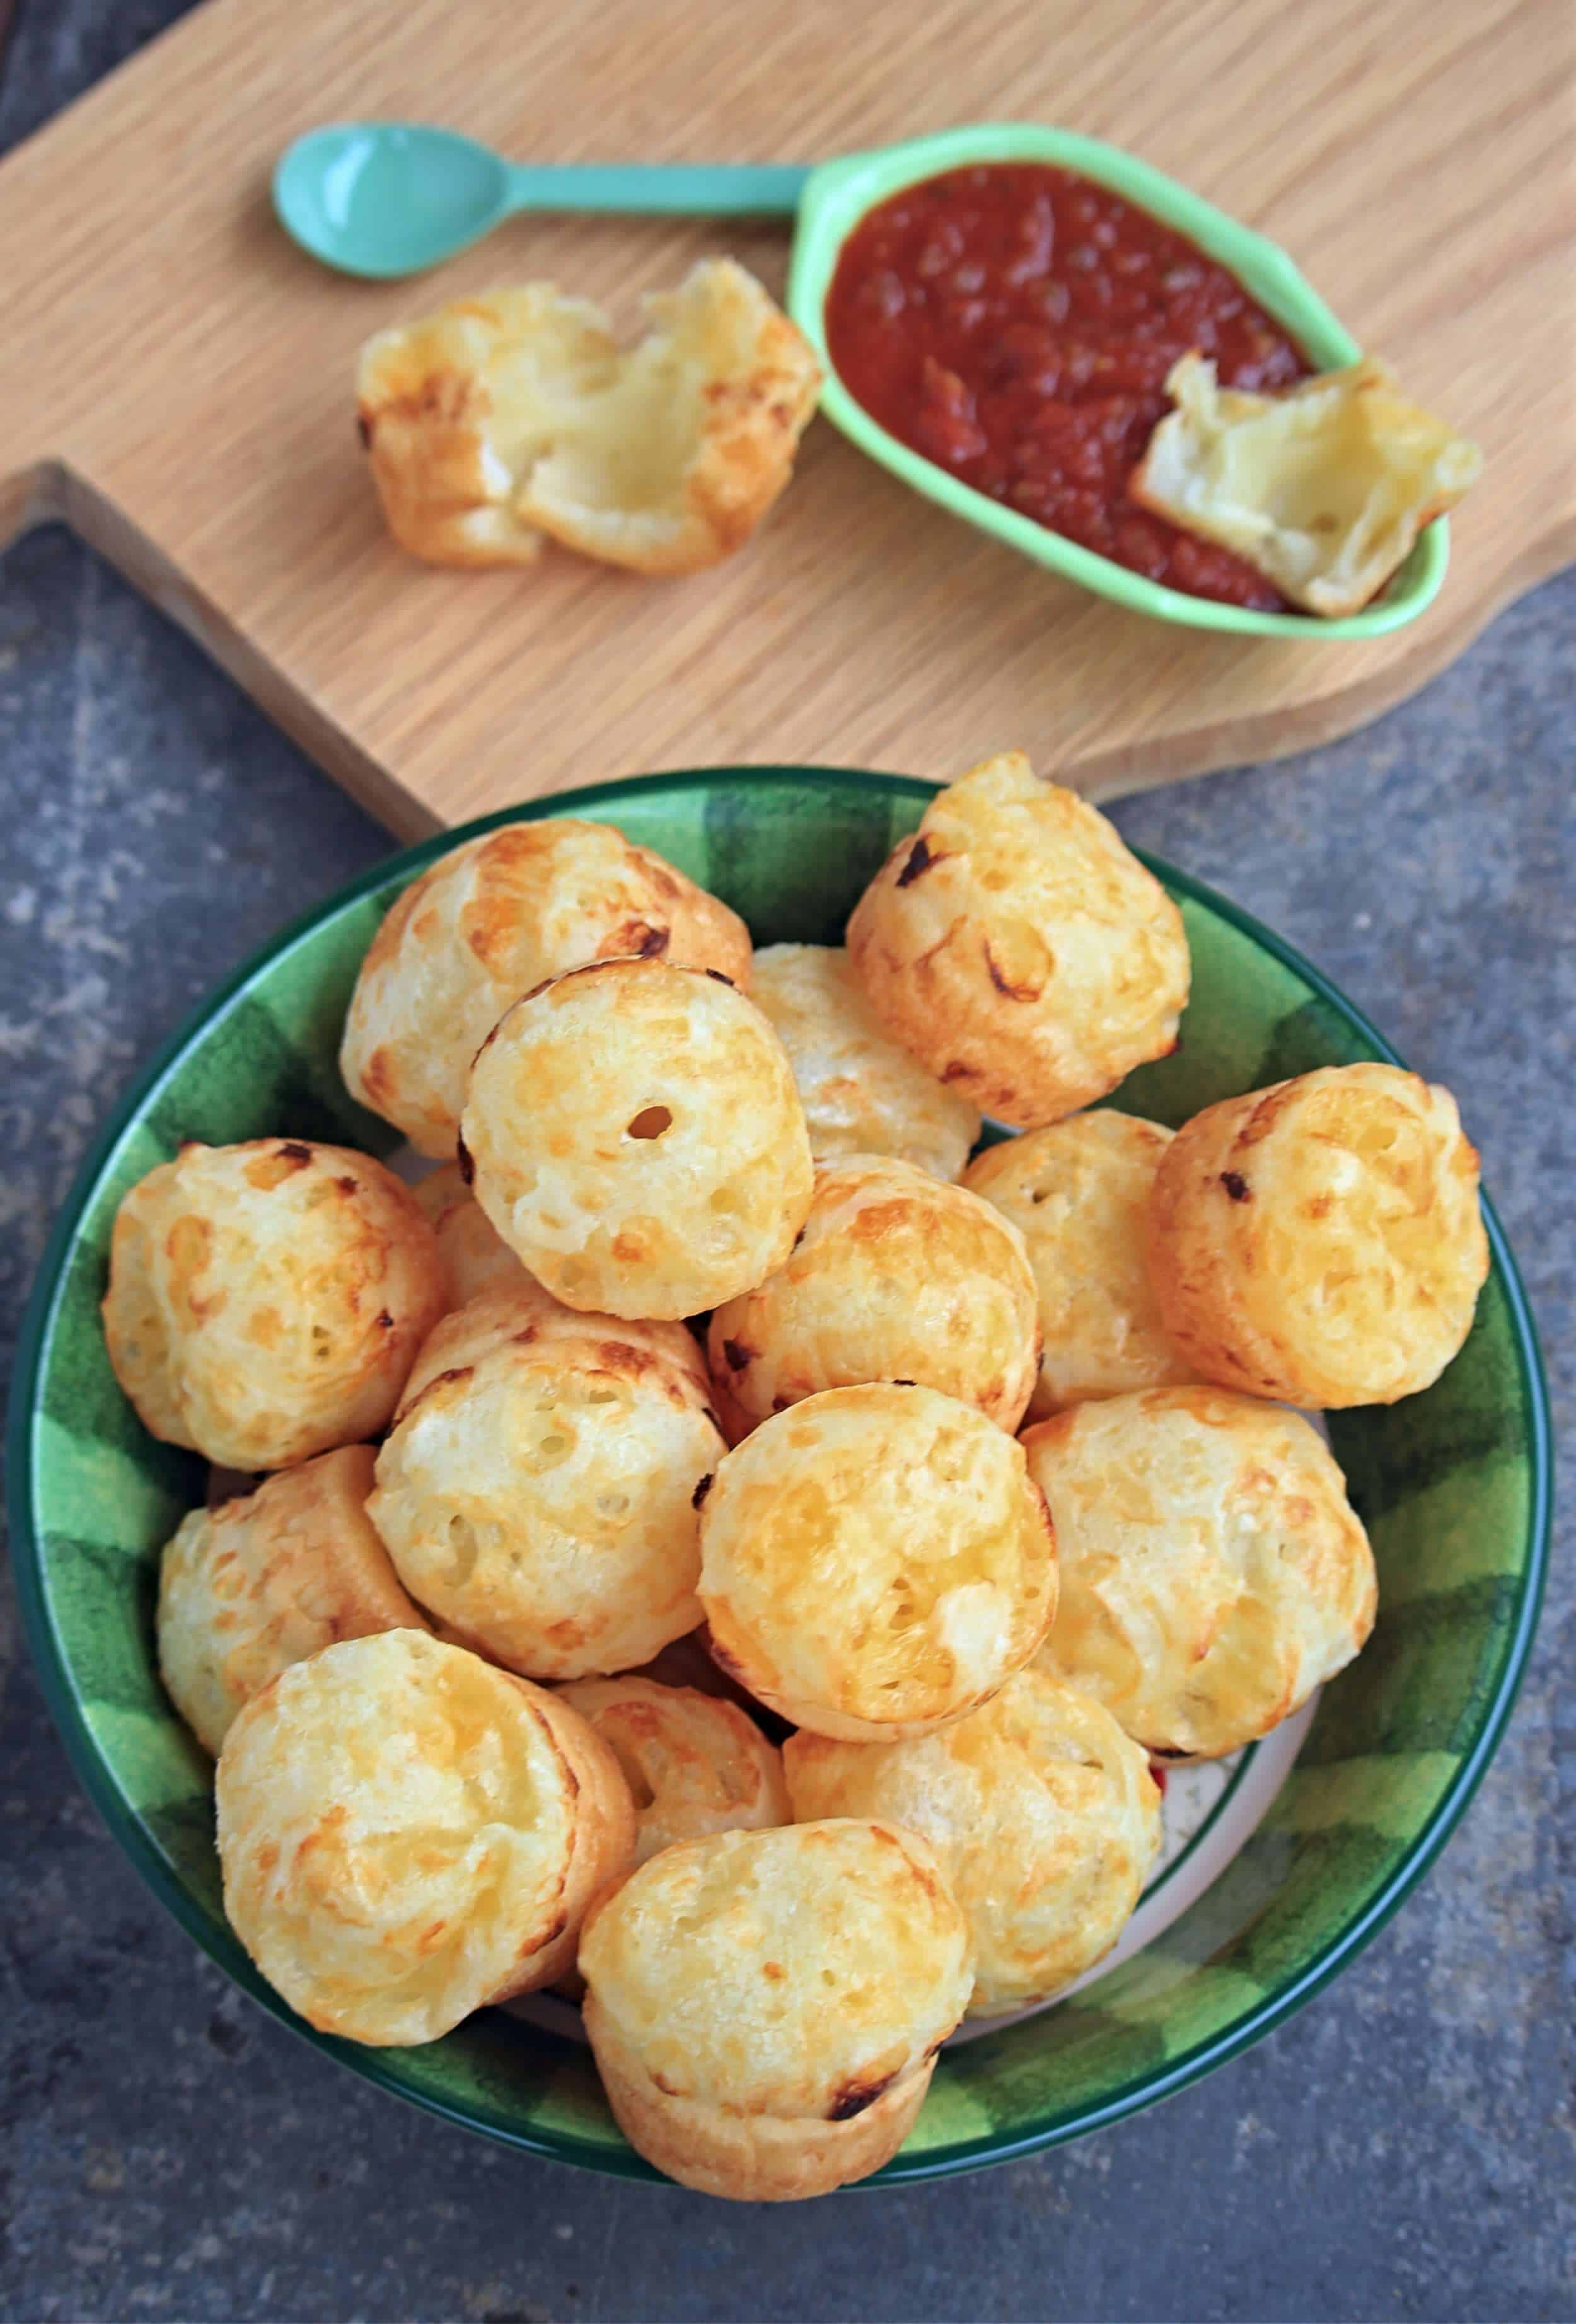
[{"x": 382, "y": 200}]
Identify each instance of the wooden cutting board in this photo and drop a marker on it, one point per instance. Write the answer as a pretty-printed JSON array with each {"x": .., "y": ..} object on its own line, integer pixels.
[{"x": 175, "y": 378}]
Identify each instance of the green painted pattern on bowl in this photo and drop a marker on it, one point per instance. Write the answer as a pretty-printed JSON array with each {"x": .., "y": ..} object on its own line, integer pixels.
[{"x": 1452, "y": 1484}]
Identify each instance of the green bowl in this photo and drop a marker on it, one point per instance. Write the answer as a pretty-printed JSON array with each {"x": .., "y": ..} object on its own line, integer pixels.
[
  {"x": 840, "y": 193},
  {"x": 1453, "y": 1485}
]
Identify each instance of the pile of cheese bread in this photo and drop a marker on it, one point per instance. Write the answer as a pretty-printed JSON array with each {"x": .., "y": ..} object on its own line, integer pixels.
[{"x": 707, "y": 1386}]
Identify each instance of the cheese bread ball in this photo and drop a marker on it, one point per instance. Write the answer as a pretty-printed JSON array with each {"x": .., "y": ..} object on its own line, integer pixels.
[
  {"x": 539, "y": 1490},
  {"x": 495, "y": 918},
  {"x": 1018, "y": 950},
  {"x": 1043, "y": 1814},
  {"x": 875, "y": 1560},
  {"x": 474, "y": 1258},
  {"x": 764, "y": 2007},
  {"x": 895, "y": 1275},
  {"x": 633, "y": 1132},
  {"x": 862, "y": 1093},
  {"x": 1212, "y": 1571},
  {"x": 510, "y": 415},
  {"x": 694, "y": 1765},
  {"x": 1078, "y": 1192},
  {"x": 248, "y": 1588},
  {"x": 1320, "y": 1241},
  {"x": 407, "y": 1834},
  {"x": 265, "y": 1301}
]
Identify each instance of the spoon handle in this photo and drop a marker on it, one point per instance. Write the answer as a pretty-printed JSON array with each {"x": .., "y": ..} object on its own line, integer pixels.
[{"x": 677, "y": 189}]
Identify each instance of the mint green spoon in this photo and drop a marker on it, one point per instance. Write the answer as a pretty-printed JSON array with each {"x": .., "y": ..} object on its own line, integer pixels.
[
  {"x": 384, "y": 199},
  {"x": 387, "y": 198}
]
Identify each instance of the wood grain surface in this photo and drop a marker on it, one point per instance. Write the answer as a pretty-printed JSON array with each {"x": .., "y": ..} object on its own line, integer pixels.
[{"x": 176, "y": 380}]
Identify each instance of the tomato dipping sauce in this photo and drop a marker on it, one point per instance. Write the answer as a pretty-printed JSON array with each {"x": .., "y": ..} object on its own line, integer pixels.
[{"x": 1015, "y": 323}]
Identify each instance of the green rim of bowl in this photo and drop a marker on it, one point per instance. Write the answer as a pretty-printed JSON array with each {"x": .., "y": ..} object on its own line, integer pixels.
[
  {"x": 1495, "y": 1692},
  {"x": 840, "y": 193}
]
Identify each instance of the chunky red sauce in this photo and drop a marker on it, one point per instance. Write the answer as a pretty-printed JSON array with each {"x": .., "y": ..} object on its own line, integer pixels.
[{"x": 1016, "y": 323}]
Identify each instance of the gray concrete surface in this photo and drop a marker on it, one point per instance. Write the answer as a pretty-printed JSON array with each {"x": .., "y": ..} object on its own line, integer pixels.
[{"x": 1405, "y": 2148}]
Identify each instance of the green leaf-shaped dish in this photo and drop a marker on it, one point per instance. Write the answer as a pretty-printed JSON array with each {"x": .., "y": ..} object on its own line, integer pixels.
[
  {"x": 839, "y": 194},
  {"x": 1453, "y": 1486}
]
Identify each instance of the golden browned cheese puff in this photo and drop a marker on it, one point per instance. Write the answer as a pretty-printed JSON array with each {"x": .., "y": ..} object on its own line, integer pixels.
[
  {"x": 407, "y": 1834},
  {"x": 248, "y": 1588},
  {"x": 1043, "y": 1815},
  {"x": 492, "y": 920},
  {"x": 266, "y": 1301},
  {"x": 1212, "y": 1571},
  {"x": 474, "y": 1256},
  {"x": 764, "y": 2007},
  {"x": 694, "y": 1765},
  {"x": 539, "y": 1490},
  {"x": 1320, "y": 1242},
  {"x": 516, "y": 413},
  {"x": 861, "y": 1092},
  {"x": 1017, "y": 949},
  {"x": 1078, "y": 1191},
  {"x": 895, "y": 1275},
  {"x": 875, "y": 1560},
  {"x": 634, "y": 1134}
]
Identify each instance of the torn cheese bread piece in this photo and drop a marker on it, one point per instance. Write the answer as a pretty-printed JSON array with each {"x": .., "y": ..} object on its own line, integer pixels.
[
  {"x": 515, "y": 415},
  {"x": 1323, "y": 489}
]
